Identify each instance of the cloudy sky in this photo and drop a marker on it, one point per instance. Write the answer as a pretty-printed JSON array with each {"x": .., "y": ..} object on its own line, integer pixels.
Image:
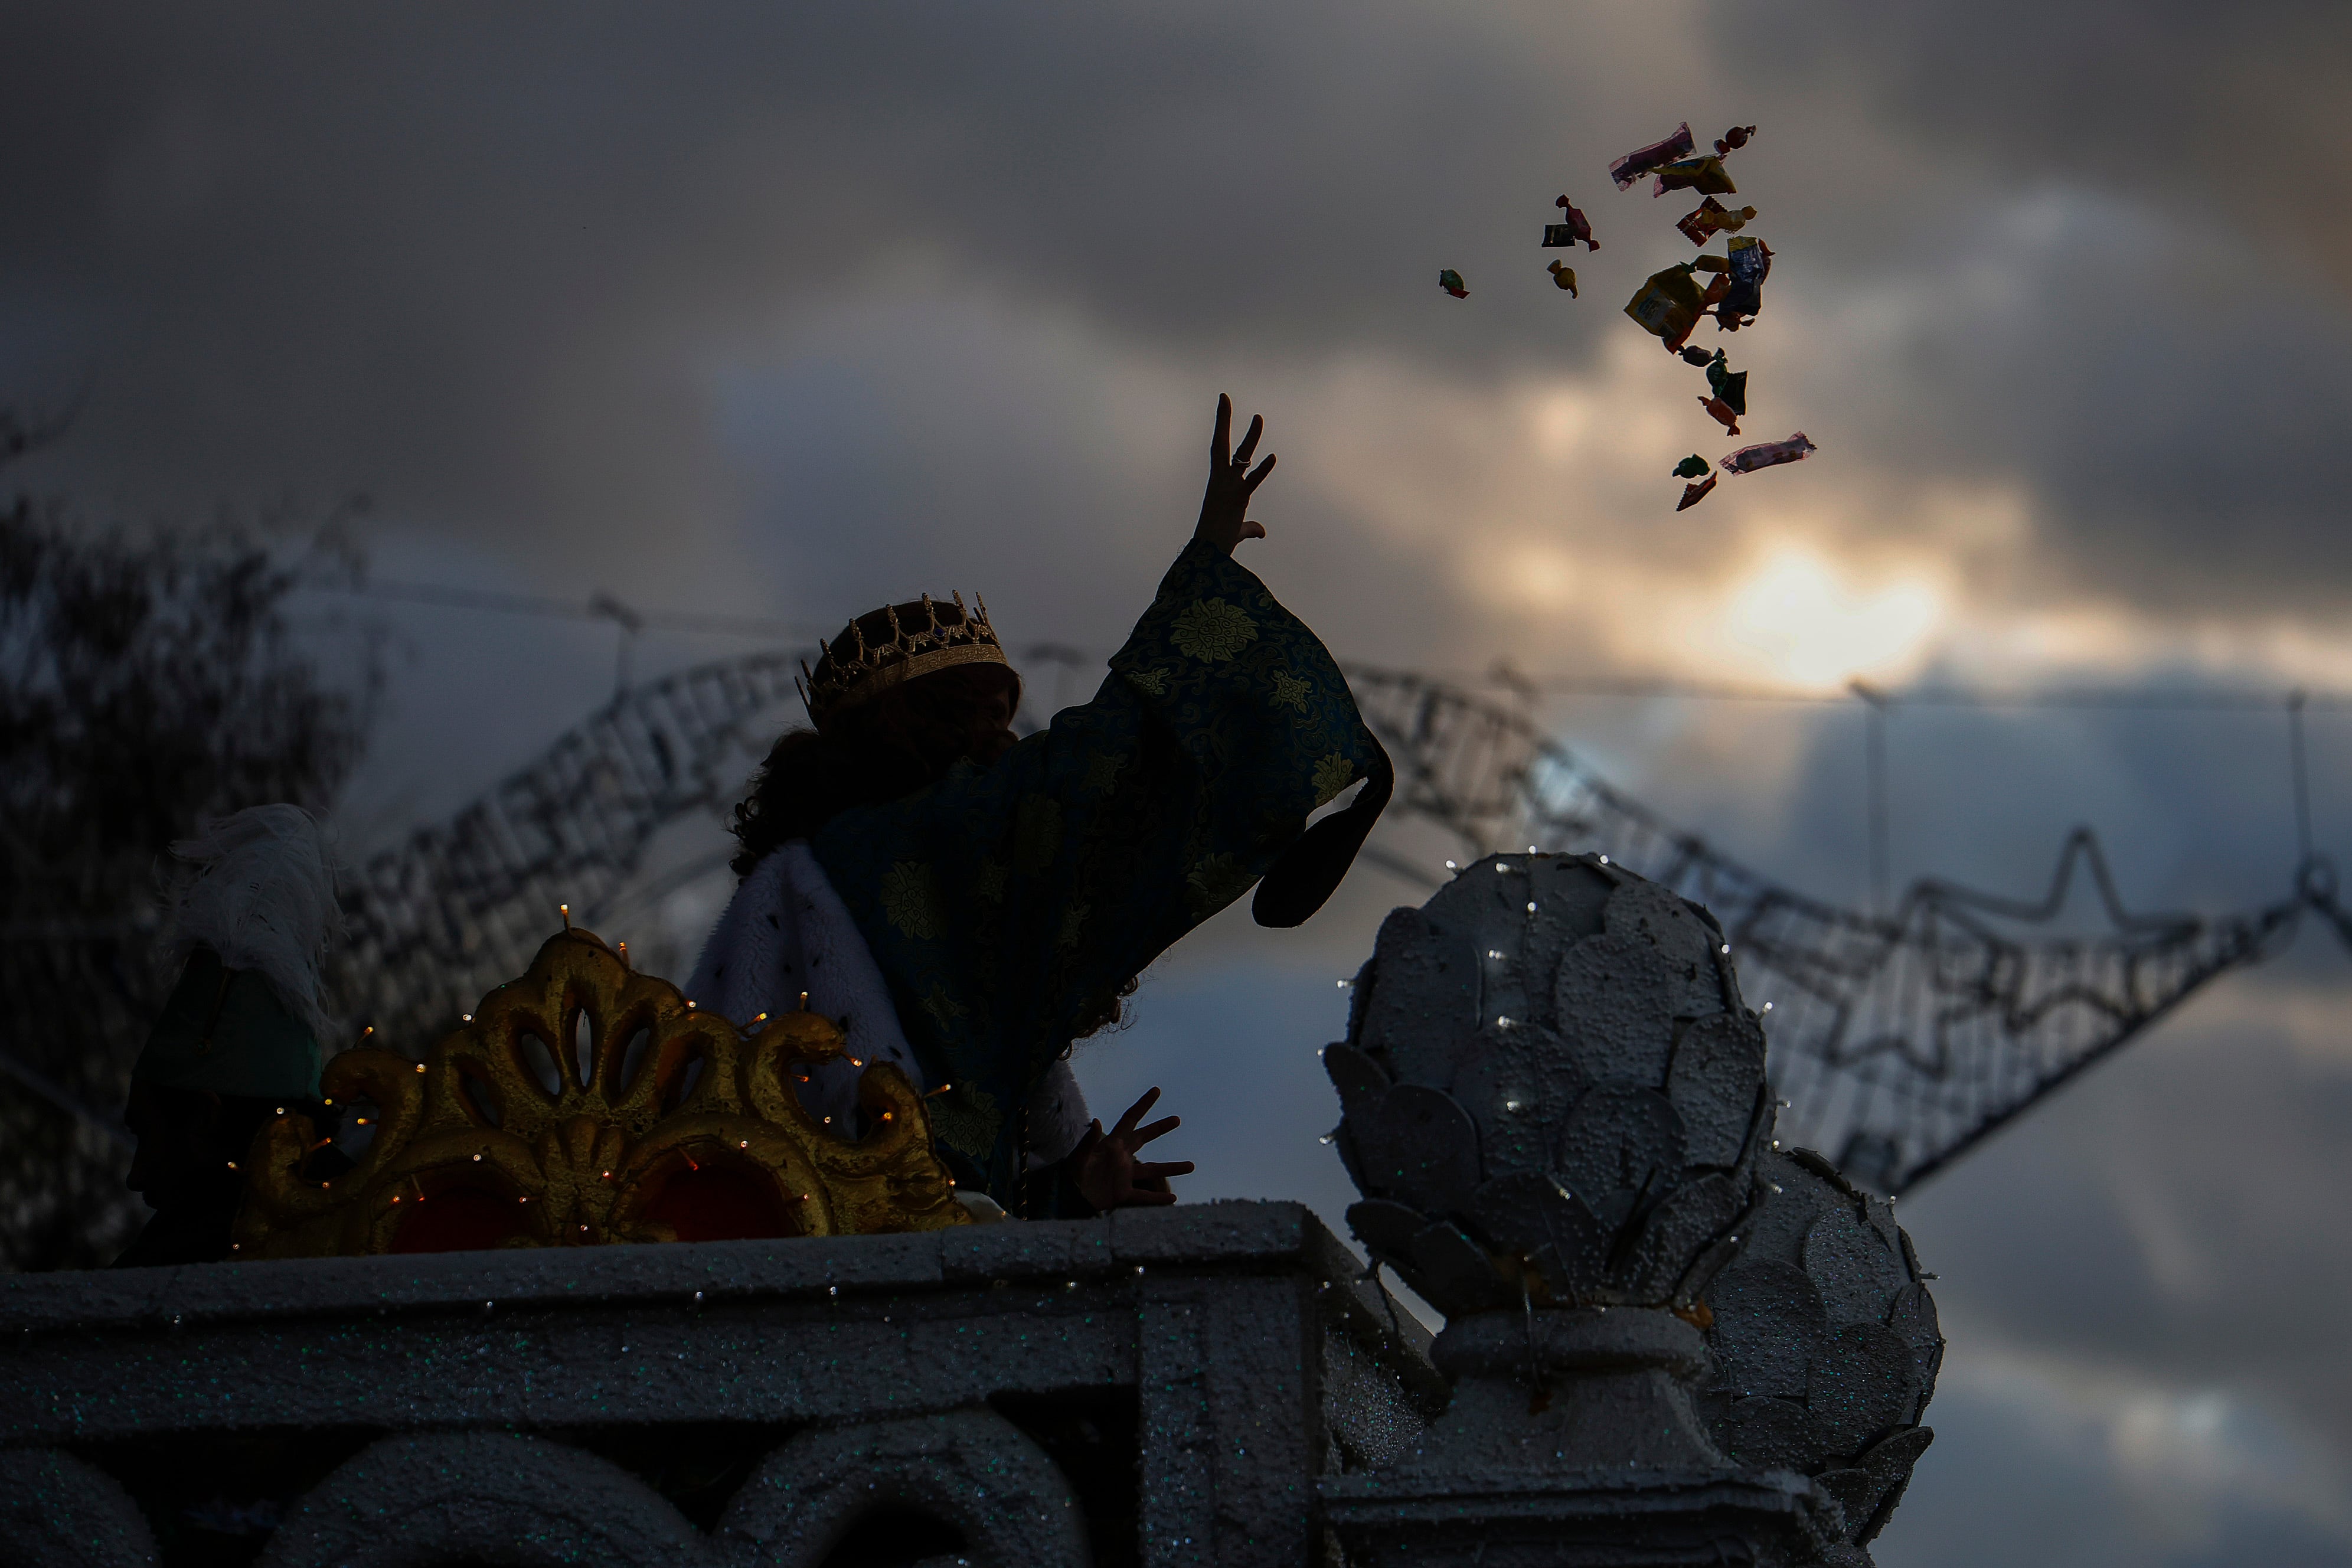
[{"x": 783, "y": 312}]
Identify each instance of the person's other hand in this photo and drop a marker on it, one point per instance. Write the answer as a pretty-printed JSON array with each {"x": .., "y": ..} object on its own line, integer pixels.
[
  {"x": 1106, "y": 1171},
  {"x": 1224, "y": 509}
]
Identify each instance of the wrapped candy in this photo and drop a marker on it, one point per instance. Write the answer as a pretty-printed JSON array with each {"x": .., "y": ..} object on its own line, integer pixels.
[
  {"x": 1733, "y": 139},
  {"x": 1690, "y": 467},
  {"x": 1767, "y": 455},
  {"x": 1698, "y": 357},
  {"x": 1573, "y": 227},
  {"x": 1750, "y": 263},
  {"x": 1750, "y": 258},
  {"x": 1564, "y": 276},
  {"x": 1730, "y": 386},
  {"x": 1704, "y": 175},
  {"x": 1721, "y": 412},
  {"x": 1711, "y": 218},
  {"x": 1696, "y": 493},
  {"x": 1451, "y": 281},
  {"x": 1668, "y": 305},
  {"x": 1656, "y": 156}
]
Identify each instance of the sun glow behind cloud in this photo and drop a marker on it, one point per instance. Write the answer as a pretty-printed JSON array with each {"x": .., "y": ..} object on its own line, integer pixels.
[{"x": 1810, "y": 623}]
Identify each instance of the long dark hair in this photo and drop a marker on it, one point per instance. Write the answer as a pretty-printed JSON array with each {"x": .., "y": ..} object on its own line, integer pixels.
[{"x": 883, "y": 749}]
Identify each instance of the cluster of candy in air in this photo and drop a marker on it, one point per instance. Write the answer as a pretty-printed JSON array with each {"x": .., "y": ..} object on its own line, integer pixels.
[{"x": 1670, "y": 304}]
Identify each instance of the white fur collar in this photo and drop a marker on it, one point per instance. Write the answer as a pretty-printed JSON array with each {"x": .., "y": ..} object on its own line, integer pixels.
[{"x": 786, "y": 931}]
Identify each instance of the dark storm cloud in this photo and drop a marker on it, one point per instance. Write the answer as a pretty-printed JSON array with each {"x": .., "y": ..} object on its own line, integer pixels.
[
  {"x": 474, "y": 261},
  {"x": 465, "y": 256}
]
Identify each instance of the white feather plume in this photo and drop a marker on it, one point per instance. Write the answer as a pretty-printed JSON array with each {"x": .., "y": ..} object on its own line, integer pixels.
[{"x": 263, "y": 899}]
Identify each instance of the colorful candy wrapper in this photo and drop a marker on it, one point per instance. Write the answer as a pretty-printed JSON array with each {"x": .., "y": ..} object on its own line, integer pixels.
[
  {"x": 1694, "y": 494},
  {"x": 1733, "y": 139},
  {"x": 1656, "y": 156},
  {"x": 1564, "y": 276},
  {"x": 1750, "y": 258},
  {"x": 1720, "y": 412},
  {"x": 1766, "y": 455},
  {"x": 1668, "y": 305},
  {"x": 1749, "y": 264},
  {"x": 1451, "y": 281},
  {"x": 1704, "y": 175},
  {"x": 1710, "y": 218},
  {"x": 1573, "y": 228},
  {"x": 1730, "y": 386},
  {"x": 1690, "y": 467}
]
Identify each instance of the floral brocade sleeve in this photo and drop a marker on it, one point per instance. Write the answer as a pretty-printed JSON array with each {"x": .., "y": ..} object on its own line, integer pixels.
[
  {"x": 1257, "y": 704},
  {"x": 1008, "y": 905}
]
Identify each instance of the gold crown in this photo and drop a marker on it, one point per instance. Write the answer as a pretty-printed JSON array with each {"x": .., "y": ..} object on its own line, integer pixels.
[{"x": 893, "y": 645}]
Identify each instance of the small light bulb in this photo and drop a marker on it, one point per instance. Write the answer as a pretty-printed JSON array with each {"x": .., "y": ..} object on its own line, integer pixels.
[
  {"x": 1605, "y": 859},
  {"x": 465, "y": 1017},
  {"x": 1452, "y": 867},
  {"x": 1531, "y": 906},
  {"x": 420, "y": 1067}
]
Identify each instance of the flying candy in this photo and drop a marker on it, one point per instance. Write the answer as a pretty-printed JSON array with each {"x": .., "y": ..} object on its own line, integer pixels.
[
  {"x": 1721, "y": 412},
  {"x": 1711, "y": 218},
  {"x": 1690, "y": 467},
  {"x": 1656, "y": 156},
  {"x": 1564, "y": 276},
  {"x": 1749, "y": 264},
  {"x": 1694, "y": 494},
  {"x": 1669, "y": 304},
  {"x": 1730, "y": 386},
  {"x": 1451, "y": 281},
  {"x": 1704, "y": 175},
  {"x": 1574, "y": 228},
  {"x": 1768, "y": 454},
  {"x": 1733, "y": 139}
]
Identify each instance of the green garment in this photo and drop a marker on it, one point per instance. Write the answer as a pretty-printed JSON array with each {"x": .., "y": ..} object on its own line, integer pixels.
[
  {"x": 1005, "y": 905},
  {"x": 225, "y": 1030}
]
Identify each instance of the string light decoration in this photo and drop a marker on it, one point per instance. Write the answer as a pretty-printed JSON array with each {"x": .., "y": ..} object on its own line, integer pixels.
[
  {"x": 1900, "y": 1041},
  {"x": 587, "y": 1161},
  {"x": 1905, "y": 1039}
]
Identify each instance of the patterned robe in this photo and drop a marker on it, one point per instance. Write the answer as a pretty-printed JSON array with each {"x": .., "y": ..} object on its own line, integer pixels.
[{"x": 1006, "y": 904}]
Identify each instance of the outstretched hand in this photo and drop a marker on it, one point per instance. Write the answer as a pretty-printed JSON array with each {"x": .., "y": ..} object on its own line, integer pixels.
[
  {"x": 1106, "y": 1171},
  {"x": 1224, "y": 511}
]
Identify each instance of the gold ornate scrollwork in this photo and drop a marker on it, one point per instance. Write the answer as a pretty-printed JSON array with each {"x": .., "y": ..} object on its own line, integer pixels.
[{"x": 584, "y": 1103}]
